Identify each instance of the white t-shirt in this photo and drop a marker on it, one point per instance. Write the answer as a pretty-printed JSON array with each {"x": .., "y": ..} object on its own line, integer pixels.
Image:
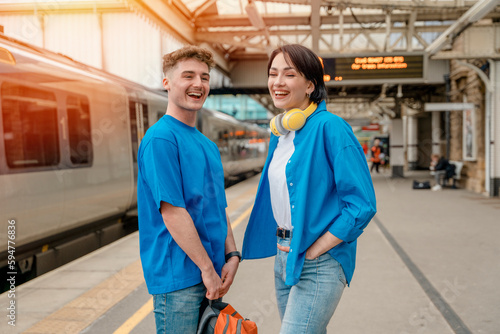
[{"x": 280, "y": 199}]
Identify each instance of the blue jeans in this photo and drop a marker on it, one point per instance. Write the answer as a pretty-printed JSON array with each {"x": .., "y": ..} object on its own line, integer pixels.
[
  {"x": 308, "y": 306},
  {"x": 178, "y": 311}
]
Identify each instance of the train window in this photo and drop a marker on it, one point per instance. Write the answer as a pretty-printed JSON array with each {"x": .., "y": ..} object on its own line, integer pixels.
[
  {"x": 80, "y": 141},
  {"x": 30, "y": 126}
]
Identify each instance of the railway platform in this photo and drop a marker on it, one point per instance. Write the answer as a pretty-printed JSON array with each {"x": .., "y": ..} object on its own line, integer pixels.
[{"x": 427, "y": 263}]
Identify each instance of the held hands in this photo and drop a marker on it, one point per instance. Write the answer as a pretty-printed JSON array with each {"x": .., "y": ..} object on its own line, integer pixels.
[
  {"x": 212, "y": 282},
  {"x": 217, "y": 286}
]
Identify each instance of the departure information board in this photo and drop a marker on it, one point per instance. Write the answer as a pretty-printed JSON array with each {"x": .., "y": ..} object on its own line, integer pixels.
[{"x": 374, "y": 67}]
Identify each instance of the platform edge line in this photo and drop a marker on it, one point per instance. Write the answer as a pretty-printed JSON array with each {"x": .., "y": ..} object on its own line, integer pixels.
[
  {"x": 136, "y": 318},
  {"x": 241, "y": 217},
  {"x": 451, "y": 317}
]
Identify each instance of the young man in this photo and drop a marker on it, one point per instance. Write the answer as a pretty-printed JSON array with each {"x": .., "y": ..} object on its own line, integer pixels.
[{"x": 187, "y": 247}]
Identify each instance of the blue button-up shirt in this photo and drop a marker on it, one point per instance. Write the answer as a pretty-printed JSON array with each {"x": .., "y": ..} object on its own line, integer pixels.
[{"x": 330, "y": 189}]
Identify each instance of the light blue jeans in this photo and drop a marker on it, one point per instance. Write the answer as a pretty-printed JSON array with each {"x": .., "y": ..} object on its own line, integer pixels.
[
  {"x": 178, "y": 311},
  {"x": 308, "y": 306}
]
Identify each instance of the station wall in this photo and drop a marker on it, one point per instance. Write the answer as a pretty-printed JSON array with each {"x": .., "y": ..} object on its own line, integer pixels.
[
  {"x": 466, "y": 86},
  {"x": 123, "y": 44}
]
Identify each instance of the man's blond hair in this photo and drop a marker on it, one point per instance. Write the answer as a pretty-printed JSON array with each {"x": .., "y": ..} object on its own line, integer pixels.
[{"x": 187, "y": 52}]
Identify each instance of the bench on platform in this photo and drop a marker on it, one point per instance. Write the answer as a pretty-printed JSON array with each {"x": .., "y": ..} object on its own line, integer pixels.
[{"x": 458, "y": 171}]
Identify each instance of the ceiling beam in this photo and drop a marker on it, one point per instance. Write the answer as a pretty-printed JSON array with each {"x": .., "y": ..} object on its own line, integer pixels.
[
  {"x": 371, "y": 4},
  {"x": 474, "y": 14},
  {"x": 203, "y": 7},
  {"x": 169, "y": 16},
  {"x": 325, "y": 31},
  {"x": 315, "y": 24},
  {"x": 62, "y": 7},
  {"x": 410, "y": 31},
  {"x": 381, "y": 3},
  {"x": 299, "y": 19},
  {"x": 402, "y": 5},
  {"x": 179, "y": 5}
]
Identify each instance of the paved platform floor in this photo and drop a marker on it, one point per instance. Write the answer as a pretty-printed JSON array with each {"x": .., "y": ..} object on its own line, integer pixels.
[{"x": 427, "y": 263}]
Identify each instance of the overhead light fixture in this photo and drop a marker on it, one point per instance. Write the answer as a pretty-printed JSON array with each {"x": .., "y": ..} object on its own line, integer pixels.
[{"x": 254, "y": 16}]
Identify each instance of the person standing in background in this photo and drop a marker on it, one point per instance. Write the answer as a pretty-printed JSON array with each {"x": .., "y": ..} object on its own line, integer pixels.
[
  {"x": 375, "y": 159},
  {"x": 365, "y": 148}
]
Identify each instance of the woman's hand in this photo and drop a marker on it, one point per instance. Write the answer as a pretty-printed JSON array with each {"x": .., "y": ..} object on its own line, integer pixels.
[
  {"x": 287, "y": 250},
  {"x": 310, "y": 255},
  {"x": 284, "y": 248},
  {"x": 326, "y": 242}
]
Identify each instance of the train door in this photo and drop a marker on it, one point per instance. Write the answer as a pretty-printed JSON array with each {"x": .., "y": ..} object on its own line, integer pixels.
[{"x": 139, "y": 121}]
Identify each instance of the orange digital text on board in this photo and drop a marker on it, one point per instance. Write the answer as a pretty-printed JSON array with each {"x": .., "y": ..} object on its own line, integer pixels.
[{"x": 379, "y": 63}]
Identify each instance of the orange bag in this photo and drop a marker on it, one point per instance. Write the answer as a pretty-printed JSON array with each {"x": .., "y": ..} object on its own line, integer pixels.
[{"x": 221, "y": 318}]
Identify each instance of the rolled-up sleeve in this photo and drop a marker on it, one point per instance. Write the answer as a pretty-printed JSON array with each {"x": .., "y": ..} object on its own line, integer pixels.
[{"x": 355, "y": 189}]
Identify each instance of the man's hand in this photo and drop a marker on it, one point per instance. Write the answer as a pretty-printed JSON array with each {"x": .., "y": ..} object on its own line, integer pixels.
[
  {"x": 212, "y": 282},
  {"x": 228, "y": 273}
]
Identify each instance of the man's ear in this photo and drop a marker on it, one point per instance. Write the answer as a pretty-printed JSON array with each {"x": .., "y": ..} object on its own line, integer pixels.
[{"x": 166, "y": 83}]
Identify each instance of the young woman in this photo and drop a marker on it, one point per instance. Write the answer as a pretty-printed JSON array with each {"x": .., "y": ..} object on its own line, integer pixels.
[{"x": 315, "y": 195}]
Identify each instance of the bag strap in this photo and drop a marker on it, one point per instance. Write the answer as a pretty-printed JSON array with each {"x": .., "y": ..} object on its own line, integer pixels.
[
  {"x": 210, "y": 301},
  {"x": 238, "y": 326},
  {"x": 227, "y": 324},
  {"x": 207, "y": 315}
]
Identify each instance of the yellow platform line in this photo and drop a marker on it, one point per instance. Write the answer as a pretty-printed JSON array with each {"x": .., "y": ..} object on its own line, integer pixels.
[
  {"x": 143, "y": 312},
  {"x": 80, "y": 313},
  {"x": 242, "y": 217},
  {"x": 135, "y": 319}
]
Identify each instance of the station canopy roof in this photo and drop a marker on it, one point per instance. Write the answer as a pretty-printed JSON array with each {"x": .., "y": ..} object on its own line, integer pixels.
[
  {"x": 242, "y": 30},
  {"x": 250, "y": 28}
]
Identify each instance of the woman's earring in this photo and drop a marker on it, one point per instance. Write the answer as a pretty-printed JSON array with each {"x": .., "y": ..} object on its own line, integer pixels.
[{"x": 307, "y": 94}]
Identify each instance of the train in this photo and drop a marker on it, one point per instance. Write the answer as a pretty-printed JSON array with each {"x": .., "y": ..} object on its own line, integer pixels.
[{"x": 68, "y": 147}]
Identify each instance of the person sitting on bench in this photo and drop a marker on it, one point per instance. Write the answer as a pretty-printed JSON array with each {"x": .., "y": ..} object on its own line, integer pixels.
[{"x": 441, "y": 167}]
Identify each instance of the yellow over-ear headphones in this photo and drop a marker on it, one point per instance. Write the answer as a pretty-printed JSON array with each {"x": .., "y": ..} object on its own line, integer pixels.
[{"x": 292, "y": 120}]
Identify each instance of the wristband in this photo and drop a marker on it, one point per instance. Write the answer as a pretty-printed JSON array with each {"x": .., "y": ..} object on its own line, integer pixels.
[{"x": 231, "y": 254}]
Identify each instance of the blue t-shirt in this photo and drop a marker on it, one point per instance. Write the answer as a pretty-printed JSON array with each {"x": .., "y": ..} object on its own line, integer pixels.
[{"x": 179, "y": 165}]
